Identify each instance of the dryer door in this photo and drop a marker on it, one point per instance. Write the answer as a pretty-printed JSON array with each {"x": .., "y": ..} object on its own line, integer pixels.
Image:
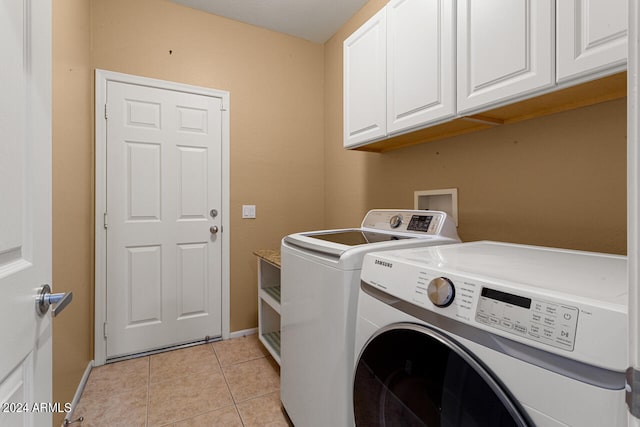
[{"x": 409, "y": 375}]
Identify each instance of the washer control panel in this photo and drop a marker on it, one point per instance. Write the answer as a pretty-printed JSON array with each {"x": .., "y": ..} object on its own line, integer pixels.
[
  {"x": 409, "y": 221},
  {"x": 569, "y": 303},
  {"x": 546, "y": 322},
  {"x": 530, "y": 317}
]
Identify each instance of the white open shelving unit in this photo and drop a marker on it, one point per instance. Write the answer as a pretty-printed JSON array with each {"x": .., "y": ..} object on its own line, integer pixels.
[{"x": 269, "y": 306}]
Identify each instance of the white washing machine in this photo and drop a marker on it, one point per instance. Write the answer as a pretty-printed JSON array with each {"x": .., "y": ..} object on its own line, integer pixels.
[
  {"x": 320, "y": 278},
  {"x": 491, "y": 334}
]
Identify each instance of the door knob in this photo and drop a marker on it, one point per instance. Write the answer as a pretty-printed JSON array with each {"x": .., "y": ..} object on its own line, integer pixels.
[
  {"x": 213, "y": 229},
  {"x": 46, "y": 298}
]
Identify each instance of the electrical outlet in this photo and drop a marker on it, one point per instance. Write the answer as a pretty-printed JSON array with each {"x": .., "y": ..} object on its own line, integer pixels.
[{"x": 248, "y": 211}]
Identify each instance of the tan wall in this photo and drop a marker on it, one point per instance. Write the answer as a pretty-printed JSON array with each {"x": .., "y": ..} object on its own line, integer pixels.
[
  {"x": 275, "y": 82},
  {"x": 558, "y": 180},
  {"x": 276, "y": 147},
  {"x": 72, "y": 195}
]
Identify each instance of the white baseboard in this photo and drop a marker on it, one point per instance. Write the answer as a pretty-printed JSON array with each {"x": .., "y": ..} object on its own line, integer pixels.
[
  {"x": 243, "y": 333},
  {"x": 76, "y": 398}
]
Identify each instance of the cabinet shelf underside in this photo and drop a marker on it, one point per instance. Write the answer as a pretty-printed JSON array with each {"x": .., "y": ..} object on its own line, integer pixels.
[{"x": 570, "y": 98}]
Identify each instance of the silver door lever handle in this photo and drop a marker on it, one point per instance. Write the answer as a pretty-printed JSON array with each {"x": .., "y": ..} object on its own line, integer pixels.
[{"x": 46, "y": 298}]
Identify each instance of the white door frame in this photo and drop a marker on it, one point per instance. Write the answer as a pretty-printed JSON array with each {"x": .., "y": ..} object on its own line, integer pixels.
[
  {"x": 102, "y": 78},
  {"x": 633, "y": 198}
]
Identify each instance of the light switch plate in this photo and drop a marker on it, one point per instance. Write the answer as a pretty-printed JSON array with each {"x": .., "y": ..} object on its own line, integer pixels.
[{"x": 248, "y": 211}]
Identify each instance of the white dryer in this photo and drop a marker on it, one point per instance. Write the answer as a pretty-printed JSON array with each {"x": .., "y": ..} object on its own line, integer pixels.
[
  {"x": 320, "y": 278},
  {"x": 491, "y": 334}
]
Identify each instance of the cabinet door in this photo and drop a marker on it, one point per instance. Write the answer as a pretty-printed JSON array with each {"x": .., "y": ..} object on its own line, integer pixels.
[
  {"x": 592, "y": 37},
  {"x": 420, "y": 58},
  {"x": 505, "y": 50},
  {"x": 365, "y": 82}
]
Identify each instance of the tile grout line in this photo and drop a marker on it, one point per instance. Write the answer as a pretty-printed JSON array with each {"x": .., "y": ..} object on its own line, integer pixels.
[
  {"x": 230, "y": 363},
  {"x": 236, "y": 403},
  {"x": 193, "y": 374},
  {"x": 233, "y": 399},
  {"x": 213, "y": 352}
]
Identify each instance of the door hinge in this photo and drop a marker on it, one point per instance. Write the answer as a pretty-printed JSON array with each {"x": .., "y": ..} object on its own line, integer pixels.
[
  {"x": 104, "y": 329},
  {"x": 106, "y": 112},
  {"x": 106, "y": 221}
]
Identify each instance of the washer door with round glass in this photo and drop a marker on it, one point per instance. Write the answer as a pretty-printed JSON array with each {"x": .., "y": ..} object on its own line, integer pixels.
[{"x": 410, "y": 375}]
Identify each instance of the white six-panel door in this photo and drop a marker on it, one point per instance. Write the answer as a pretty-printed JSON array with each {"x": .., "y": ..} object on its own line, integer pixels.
[
  {"x": 25, "y": 212},
  {"x": 163, "y": 269}
]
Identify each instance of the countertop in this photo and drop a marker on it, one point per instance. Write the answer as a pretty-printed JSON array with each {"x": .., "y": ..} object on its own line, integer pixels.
[{"x": 269, "y": 255}]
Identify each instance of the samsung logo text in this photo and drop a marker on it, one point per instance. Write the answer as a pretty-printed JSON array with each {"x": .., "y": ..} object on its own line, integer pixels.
[{"x": 384, "y": 263}]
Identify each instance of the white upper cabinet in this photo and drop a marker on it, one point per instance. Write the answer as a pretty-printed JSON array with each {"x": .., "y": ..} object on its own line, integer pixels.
[
  {"x": 420, "y": 63},
  {"x": 365, "y": 82},
  {"x": 591, "y": 37},
  {"x": 505, "y": 50},
  {"x": 398, "y": 70}
]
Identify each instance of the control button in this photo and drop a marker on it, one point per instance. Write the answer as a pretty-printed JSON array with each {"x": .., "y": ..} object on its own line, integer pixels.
[
  {"x": 520, "y": 329},
  {"x": 535, "y": 331},
  {"x": 568, "y": 315},
  {"x": 441, "y": 292},
  {"x": 482, "y": 318},
  {"x": 565, "y": 338},
  {"x": 395, "y": 221},
  {"x": 507, "y": 324}
]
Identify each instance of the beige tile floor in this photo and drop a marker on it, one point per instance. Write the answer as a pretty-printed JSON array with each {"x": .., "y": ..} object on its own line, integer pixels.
[{"x": 227, "y": 383}]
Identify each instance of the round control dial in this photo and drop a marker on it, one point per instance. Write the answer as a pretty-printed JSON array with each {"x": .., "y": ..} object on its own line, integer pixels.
[
  {"x": 395, "y": 221},
  {"x": 441, "y": 292}
]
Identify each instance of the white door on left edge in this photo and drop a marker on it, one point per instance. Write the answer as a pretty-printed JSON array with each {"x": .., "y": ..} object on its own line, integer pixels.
[
  {"x": 164, "y": 246},
  {"x": 25, "y": 211}
]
